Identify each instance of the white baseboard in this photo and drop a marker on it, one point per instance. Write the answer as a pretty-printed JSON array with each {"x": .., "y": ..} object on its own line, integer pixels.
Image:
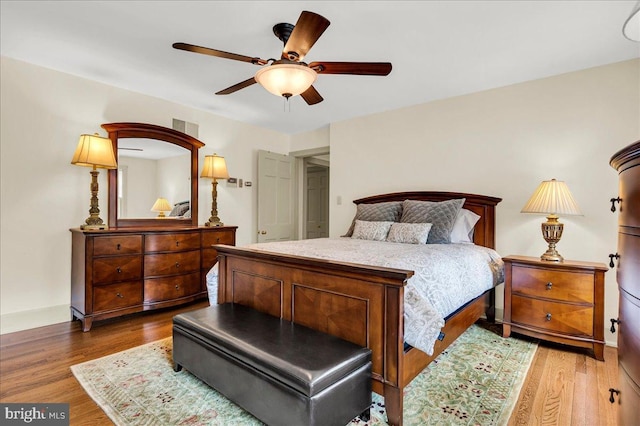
[{"x": 34, "y": 318}]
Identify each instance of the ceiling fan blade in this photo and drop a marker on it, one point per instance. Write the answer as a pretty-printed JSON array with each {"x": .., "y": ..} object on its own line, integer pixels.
[
  {"x": 357, "y": 68},
  {"x": 218, "y": 53},
  {"x": 311, "y": 96},
  {"x": 248, "y": 82},
  {"x": 306, "y": 32}
]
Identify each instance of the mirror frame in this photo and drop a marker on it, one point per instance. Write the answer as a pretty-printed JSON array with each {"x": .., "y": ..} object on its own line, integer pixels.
[{"x": 151, "y": 131}]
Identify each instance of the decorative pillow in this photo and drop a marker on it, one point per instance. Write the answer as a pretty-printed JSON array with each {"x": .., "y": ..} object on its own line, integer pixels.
[
  {"x": 441, "y": 215},
  {"x": 378, "y": 212},
  {"x": 376, "y": 231},
  {"x": 462, "y": 231},
  {"x": 409, "y": 233},
  {"x": 179, "y": 209}
]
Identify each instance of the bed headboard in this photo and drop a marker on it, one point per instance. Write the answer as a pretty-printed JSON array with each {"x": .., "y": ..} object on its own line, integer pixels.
[{"x": 485, "y": 206}]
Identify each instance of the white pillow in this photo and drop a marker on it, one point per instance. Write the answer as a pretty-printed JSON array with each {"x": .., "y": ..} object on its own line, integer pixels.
[
  {"x": 462, "y": 231},
  {"x": 366, "y": 230},
  {"x": 410, "y": 233}
]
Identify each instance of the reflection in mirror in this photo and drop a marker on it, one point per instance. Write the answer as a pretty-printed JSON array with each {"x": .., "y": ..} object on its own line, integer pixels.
[{"x": 149, "y": 169}]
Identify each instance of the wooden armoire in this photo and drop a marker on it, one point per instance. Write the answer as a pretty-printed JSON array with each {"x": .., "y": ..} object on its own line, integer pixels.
[{"x": 627, "y": 163}]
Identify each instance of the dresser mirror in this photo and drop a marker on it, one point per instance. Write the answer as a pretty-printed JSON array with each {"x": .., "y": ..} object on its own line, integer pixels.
[{"x": 154, "y": 162}]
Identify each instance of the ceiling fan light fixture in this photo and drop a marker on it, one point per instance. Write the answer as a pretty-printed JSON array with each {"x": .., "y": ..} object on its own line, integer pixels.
[
  {"x": 286, "y": 79},
  {"x": 631, "y": 27}
]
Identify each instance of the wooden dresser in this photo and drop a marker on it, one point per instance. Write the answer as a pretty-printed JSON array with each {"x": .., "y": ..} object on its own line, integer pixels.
[
  {"x": 627, "y": 163},
  {"x": 562, "y": 302},
  {"x": 121, "y": 271}
]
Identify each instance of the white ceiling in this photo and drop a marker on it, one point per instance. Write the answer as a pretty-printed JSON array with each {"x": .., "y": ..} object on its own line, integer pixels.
[{"x": 438, "y": 49}]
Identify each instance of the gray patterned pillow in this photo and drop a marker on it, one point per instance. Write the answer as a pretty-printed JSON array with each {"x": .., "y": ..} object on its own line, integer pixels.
[
  {"x": 378, "y": 212},
  {"x": 375, "y": 231},
  {"x": 409, "y": 233},
  {"x": 442, "y": 216}
]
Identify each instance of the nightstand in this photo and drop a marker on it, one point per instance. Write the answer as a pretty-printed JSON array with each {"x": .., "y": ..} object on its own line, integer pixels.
[{"x": 561, "y": 302}]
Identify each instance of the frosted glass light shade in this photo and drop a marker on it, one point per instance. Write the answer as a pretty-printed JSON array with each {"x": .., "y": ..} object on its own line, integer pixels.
[
  {"x": 215, "y": 167},
  {"x": 94, "y": 151},
  {"x": 552, "y": 197},
  {"x": 286, "y": 79}
]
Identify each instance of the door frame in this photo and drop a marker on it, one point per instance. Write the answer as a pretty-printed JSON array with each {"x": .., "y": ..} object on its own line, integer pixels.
[{"x": 300, "y": 186}]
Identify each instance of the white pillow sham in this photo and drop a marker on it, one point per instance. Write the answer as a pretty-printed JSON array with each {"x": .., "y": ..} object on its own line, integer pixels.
[
  {"x": 462, "y": 231},
  {"x": 368, "y": 230},
  {"x": 409, "y": 233}
]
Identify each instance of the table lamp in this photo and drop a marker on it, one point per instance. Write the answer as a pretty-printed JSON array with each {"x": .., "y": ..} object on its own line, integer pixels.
[
  {"x": 552, "y": 197},
  {"x": 161, "y": 205},
  {"x": 214, "y": 168}
]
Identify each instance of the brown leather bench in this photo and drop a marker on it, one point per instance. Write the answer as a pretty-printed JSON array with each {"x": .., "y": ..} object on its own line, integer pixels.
[{"x": 282, "y": 373}]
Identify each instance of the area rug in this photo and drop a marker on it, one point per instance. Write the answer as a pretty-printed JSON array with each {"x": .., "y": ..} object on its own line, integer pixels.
[{"x": 476, "y": 381}]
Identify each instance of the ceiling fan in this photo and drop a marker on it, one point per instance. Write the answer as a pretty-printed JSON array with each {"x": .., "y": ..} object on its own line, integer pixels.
[{"x": 289, "y": 75}]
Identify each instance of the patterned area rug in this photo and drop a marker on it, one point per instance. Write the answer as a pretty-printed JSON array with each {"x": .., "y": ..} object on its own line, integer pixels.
[{"x": 475, "y": 382}]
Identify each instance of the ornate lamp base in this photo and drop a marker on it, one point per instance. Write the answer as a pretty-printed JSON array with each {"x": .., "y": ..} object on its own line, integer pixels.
[
  {"x": 552, "y": 232},
  {"x": 94, "y": 222},
  {"x": 212, "y": 224}
]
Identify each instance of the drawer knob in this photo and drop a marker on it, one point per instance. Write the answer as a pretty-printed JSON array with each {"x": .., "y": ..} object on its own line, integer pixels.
[
  {"x": 118, "y": 270},
  {"x": 218, "y": 240},
  {"x": 119, "y": 295},
  {"x": 611, "y": 257},
  {"x": 177, "y": 287},
  {"x": 611, "y": 392},
  {"x": 177, "y": 264},
  {"x": 118, "y": 246},
  {"x": 549, "y": 285},
  {"x": 177, "y": 243},
  {"x": 548, "y": 316},
  {"x": 613, "y": 203},
  {"x": 613, "y": 324}
]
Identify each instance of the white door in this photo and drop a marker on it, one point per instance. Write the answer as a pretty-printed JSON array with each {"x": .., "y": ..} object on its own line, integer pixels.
[
  {"x": 275, "y": 197},
  {"x": 317, "y": 202}
]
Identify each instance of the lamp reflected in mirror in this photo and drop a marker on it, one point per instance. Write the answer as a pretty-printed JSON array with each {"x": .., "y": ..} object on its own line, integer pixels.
[
  {"x": 161, "y": 205},
  {"x": 215, "y": 167},
  {"x": 96, "y": 152}
]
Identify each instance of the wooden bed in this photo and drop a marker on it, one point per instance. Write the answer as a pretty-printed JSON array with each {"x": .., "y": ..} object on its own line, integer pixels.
[{"x": 362, "y": 304}]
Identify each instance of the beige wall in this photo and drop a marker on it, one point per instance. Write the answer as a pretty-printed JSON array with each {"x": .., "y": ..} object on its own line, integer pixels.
[
  {"x": 503, "y": 143},
  {"x": 43, "y": 113}
]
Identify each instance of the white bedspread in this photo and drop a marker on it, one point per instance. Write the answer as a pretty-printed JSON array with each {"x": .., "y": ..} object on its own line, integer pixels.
[{"x": 446, "y": 275}]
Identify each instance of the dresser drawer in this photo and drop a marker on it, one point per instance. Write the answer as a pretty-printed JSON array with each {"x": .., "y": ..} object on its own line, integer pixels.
[
  {"x": 171, "y": 263},
  {"x": 117, "y": 245},
  {"x": 218, "y": 237},
  {"x": 169, "y": 288},
  {"x": 115, "y": 296},
  {"x": 172, "y": 242},
  {"x": 628, "y": 272},
  {"x": 629, "y": 400},
  {"x": 552, "y": 284},
  {"x": 117, "y": 268},
  {"x": 629, "y": 335},
  {"x": 552, "y": 316}
]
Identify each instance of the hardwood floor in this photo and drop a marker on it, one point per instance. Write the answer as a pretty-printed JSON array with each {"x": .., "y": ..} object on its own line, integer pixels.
[{"x": 562, "y": 387}]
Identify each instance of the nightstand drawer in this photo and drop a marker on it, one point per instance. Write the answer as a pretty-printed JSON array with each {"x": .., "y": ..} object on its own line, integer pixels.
[
  {"x": 552, "y": 284},
  {"x": 552, "y": 316}
]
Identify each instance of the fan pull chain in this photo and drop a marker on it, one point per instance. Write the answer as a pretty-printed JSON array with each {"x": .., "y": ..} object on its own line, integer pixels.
[{"x": 286, "y": 104}]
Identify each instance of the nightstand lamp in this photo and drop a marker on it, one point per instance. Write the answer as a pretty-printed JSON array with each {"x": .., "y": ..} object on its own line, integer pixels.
[
  {"x": 552, "y": 197},
  {"x": 161, "y": 205},
  {"x": 96, "y": 152},
  {"x": 214, "y": 168}
]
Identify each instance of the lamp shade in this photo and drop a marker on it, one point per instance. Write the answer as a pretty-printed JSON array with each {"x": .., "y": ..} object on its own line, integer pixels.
[
  {"x": 286, "y": 79},
  {"x": 215, "y": 167},
  {"x": 95, "y": 151},
  {"x": 161, "y": 205},
  {"x": 552, "y": 197}
]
